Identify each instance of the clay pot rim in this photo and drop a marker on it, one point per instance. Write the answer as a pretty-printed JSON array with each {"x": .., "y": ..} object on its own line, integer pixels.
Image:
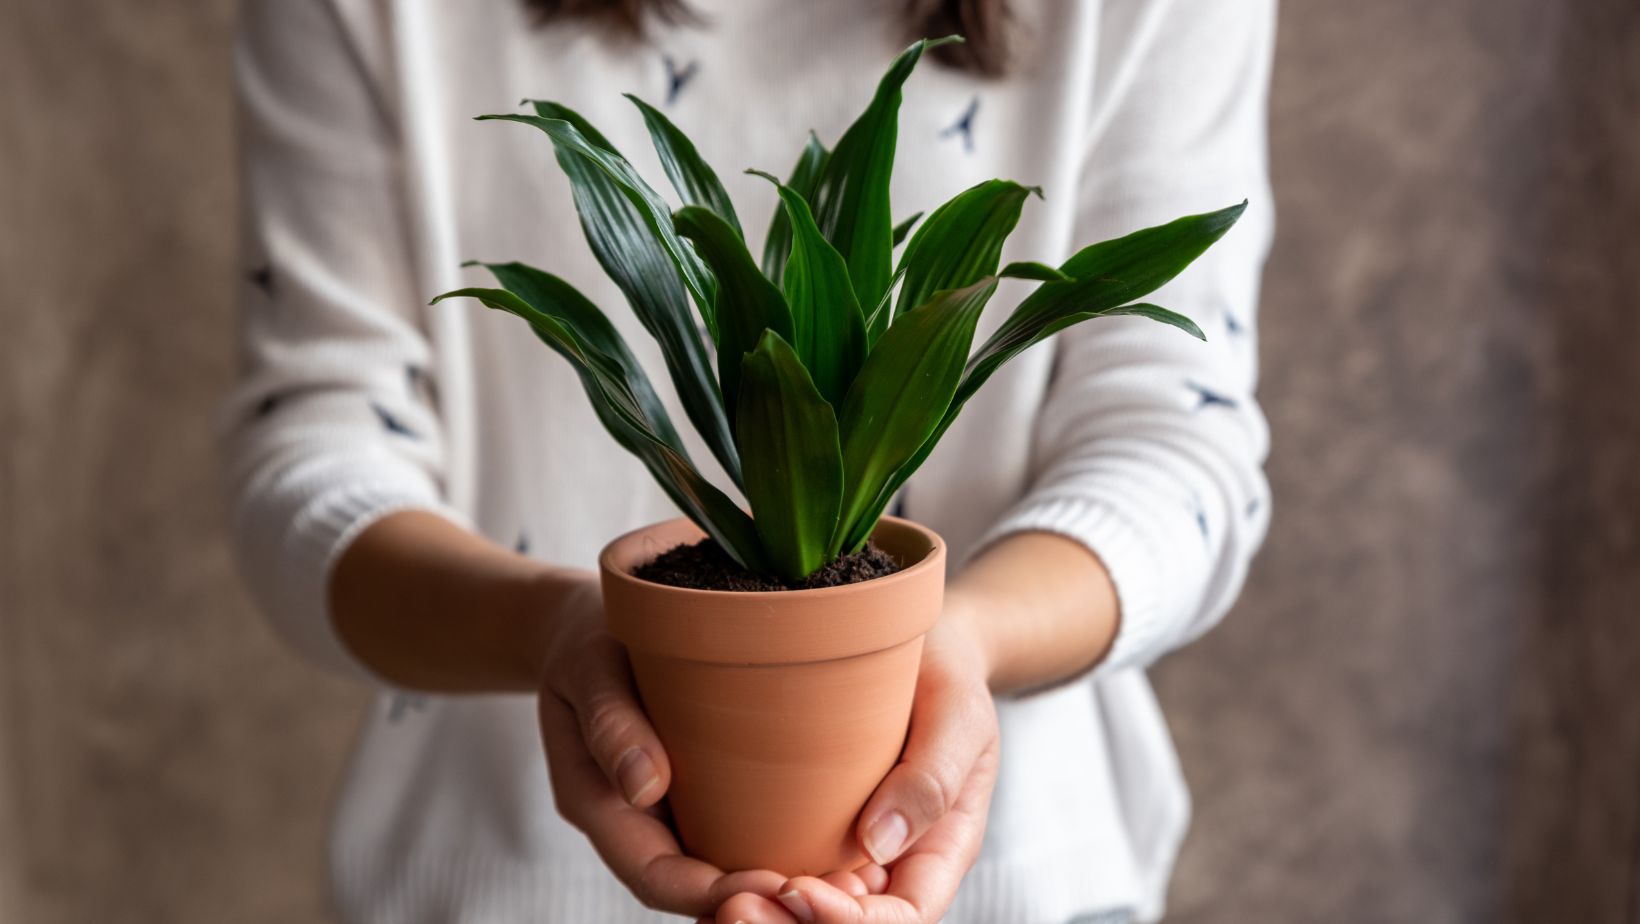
[
  {"x": 932, "y": 559},
  {"x": 774, "y": 626}
]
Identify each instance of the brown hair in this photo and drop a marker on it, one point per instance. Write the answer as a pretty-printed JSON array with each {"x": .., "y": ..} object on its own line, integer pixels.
[{"x": 983, "y": 22}]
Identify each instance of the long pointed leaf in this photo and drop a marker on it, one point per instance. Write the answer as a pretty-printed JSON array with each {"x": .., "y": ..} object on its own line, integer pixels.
[
  {"x": 877, "y": 318},
  {"x": 851, "y": 200},
  {"x": 778, "y": 242},
  {"x": 747, "y": 302},
  {"x": 1156, "y": 313},
  {"x": 1028, "y": 269},
  {"x": 901, "y": 394},
  {"x": 557, "y": 299},
  {"x": 903, "y": 229},
  {"x": 656, "y": 215},
  {"x": 828, "y": 330},
  {"x": 1107, "y": 276},
  {"x": 691, "y": 176},
  {"x": 615, "y": 391},
  {"x": 794, "y": 466},
  {"x": 632, "y": 254},
  {"x": 961, "y": 242}
]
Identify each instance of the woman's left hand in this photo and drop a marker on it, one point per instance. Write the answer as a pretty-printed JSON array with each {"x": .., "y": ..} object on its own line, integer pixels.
[{"x": 926, "y": 820}]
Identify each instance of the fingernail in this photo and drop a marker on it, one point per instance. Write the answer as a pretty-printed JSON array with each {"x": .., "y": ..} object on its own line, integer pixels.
[
  {"x": 796, "y": 904},
  {"x": 886, "y": 836},
  {"x": 636, "y": 773}
]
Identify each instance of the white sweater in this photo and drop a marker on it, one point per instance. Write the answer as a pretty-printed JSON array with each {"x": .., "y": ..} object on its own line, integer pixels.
[{"x": 366, "y": 183}]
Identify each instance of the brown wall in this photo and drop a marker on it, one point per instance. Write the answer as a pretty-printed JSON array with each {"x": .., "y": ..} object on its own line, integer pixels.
[
  {"x": 1423, "y": 710},
  {"x": 164, "y": 760}
]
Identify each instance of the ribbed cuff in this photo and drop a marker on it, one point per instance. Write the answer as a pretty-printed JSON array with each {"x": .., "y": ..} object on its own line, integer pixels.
[
  {"x": 1135, "y": 559},
  {"x": 306, "y": 547}
]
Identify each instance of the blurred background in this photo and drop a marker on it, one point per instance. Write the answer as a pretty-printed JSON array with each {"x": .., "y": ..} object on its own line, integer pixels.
[{"x": 1425, "y": 708}]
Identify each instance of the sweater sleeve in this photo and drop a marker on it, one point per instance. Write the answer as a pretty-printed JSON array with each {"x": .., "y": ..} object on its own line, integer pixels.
[
  {"x": 332, "y": 422},
  {"x": 1150, "y": 445}
]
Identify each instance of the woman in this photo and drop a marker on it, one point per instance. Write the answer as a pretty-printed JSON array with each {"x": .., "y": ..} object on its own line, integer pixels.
[{"x": 419, "y": 493}]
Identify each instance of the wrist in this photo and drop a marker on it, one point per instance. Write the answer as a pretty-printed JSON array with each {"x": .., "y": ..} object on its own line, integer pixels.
[
  {"x": 560, "y": 606},
  {"x": 964, "y": 626}
]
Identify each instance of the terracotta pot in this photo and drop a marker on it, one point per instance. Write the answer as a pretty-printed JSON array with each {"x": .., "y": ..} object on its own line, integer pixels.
[{"x": 782, "y": 711}]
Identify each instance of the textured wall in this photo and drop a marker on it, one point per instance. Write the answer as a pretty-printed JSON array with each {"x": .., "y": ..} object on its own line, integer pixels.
[
  {"x": 163, "y": 759},
  {"x": 1422, "y": 710}
]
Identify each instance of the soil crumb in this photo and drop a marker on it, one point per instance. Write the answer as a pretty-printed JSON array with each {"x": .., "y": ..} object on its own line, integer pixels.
[{"x": 705, "y": 566}]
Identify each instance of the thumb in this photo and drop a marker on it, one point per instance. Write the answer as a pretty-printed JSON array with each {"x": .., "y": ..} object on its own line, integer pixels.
[
  {"x": 950, "y": 727},
  {"x": 613, "y": 725}
]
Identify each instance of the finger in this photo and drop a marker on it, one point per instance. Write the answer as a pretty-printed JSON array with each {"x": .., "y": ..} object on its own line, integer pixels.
[
  {"x": 816, "y": 901},
  {"x": 747, "y": 908},
  {"x": 950, "y": 726},
  {"x": 924, "y": 882},
  {"x": 874, "y": 877},
  {"x": 613, "y": 724},
  {"x": 637, "y": 847},
  {"x": 847, "y": 882},
  {"x": 922, "y": 885}
]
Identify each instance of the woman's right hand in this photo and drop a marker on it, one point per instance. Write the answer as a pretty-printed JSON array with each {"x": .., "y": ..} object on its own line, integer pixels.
[{"x": 609, "y": 771}]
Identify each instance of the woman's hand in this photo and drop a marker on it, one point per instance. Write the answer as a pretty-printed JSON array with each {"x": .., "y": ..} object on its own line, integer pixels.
[
  {"x": 927, "y": 818},
  {"x": 609, "y": 771}
]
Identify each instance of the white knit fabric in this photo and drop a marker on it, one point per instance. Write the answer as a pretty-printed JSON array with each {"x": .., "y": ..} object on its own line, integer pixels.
[{"x": 366, "y": 183}]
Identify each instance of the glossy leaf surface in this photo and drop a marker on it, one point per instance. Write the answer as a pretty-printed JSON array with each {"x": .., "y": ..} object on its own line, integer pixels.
[
  {"x": 828, "y": 331},
  {"x": 901, "y": 394},
  {"x": 624, "y": 403},
  {"x": 694, "y": 179},
  {"x": 777, "y": 244},
  {"x": 747, "y": 302},
  {"x": 794, "y": 467}
]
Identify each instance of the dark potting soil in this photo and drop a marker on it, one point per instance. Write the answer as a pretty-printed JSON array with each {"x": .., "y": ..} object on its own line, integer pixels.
[{"x": 705, "y": 566}]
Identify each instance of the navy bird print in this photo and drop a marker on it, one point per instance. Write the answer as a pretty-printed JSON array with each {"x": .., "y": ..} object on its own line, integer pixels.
[
  {"x": 1232, "y": 326},
  {"x": 392, "y": 423},
  {"x": 266, "y": 406},
  {"x": 964, "y": 126},
  {"x": 1201, "y": 516},
  {"x": 1206, "y": 397},
  {"x": 677, "y": 77},
  {"x": 522, "y": 546}
]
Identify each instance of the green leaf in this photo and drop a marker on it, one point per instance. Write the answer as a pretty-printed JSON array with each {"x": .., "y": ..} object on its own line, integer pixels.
[
  {"x": 551, "y": 297},
  {"x": 794, "y": 467},
  {"x": 1026, "y": 269},
  {"x": 878, "y": 318},
  {"x": 566, "y": 136},
  {"x": 961, "y": 242},
  {"x": 1156, "y": 313},
  {"x": 634, "y": 257},
  {"x": 828, "y": 331},
  {"x": 623, "y": 401},
  {"x": 747, "y": 302},
  {"x": 1107, "y": 276},
  {"x": 851, "y": 199},
  {"x": 901, "y": 394},
  {"x": 904, "y": 228},
  {"x": 691, "y": 176},
  {"x": 778, "y": 242}
]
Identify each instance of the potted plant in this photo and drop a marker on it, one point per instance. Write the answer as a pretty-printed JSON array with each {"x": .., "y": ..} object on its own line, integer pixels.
[{"x": 776, "y": 651}]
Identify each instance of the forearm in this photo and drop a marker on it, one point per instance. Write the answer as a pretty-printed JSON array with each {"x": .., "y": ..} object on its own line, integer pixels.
[
  {"x": 1040, "y": 606},
  {"x": 428, "y": 605}
]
